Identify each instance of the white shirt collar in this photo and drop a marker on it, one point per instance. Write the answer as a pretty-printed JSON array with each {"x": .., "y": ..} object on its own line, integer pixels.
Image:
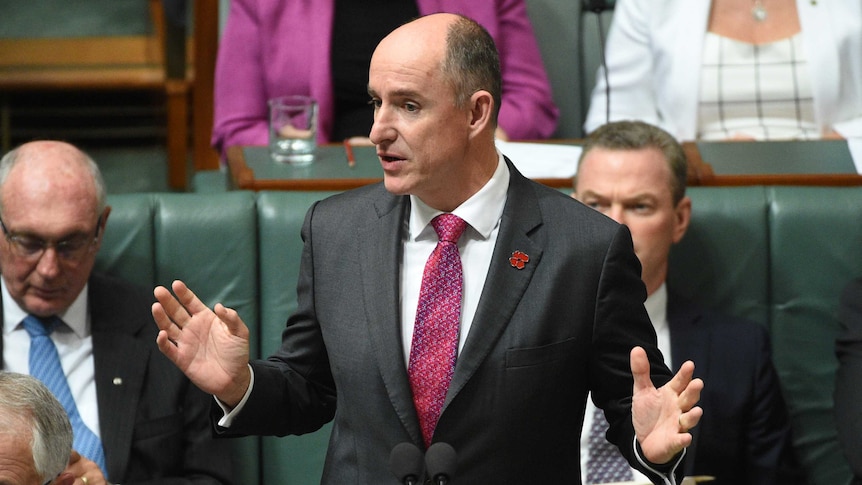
[
  {"x": 75, "y": 316},
  {"x": 656, "y": 307},
  {"x": 482, "y": 211}
]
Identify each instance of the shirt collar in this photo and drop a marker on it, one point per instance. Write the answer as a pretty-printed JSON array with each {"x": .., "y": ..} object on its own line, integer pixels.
[
  {"x": 75, "y": 317},
  {"x": 656, "y": 307},
  {"x": 482, "y": 211}
]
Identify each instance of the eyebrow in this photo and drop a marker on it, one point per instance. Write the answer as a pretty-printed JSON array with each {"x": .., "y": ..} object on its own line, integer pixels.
[{"x": 398, "y": 93}]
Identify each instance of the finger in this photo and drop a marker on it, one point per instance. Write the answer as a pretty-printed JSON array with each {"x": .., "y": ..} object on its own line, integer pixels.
[
  {"x": 690, "y": 419},
  {"x": 232, "y": 321},
  {"x": 188, "y": 298},
  {"x": 682, "y": 378},
  {"x": 64, "y": 478},
  {"x": 168, "y": 347},
  {"x": 175, "y": 312},
  {"x": 640, "y": 370},
  {"x": 163, "y": 321},
  {"x": 691, "y": 395},
  {"x": 74, "y": 457}
]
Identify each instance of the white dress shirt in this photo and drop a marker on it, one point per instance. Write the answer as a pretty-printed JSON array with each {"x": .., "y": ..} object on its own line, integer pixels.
[
  {"x": 74, "y": 342},
  {"x": 482, "y": 213}
]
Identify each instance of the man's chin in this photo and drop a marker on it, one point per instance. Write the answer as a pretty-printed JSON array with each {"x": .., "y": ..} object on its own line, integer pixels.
[{"x": 43, "y": 307}]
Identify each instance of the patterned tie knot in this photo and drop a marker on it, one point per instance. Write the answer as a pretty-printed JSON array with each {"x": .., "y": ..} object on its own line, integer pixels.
[
  {"x": 448, "y": 227},
  {"x": 40, "y": 327}
]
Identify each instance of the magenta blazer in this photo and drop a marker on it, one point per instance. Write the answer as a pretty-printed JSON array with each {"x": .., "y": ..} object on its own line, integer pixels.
[{"x": 271, "y": 48}]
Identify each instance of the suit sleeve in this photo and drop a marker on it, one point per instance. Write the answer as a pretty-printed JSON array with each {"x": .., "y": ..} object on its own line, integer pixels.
[
  {"x": 622, "y": 323},
  {"x": 848, "y": 391}
]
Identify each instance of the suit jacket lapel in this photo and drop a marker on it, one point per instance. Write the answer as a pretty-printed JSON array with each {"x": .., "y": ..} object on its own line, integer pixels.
[
  {"x": 120, "y": 369},
  {"x": 380, "y": 246},
  {"x": 505, "y": 284}
]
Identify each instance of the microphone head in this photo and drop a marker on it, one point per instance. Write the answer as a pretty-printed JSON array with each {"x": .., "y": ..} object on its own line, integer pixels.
[
  {"x": 597, "y": 6},
  {"x": 406, "y": 463},
  {"x": 441, "y": 461}
]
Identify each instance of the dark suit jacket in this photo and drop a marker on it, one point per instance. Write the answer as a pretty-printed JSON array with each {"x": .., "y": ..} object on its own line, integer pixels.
[
  {"x": 848, "y": 383},
  {"x": 542, "y": 337},
  {"x": 744, "y": 436},
  {"x": 153, "y": 422}
]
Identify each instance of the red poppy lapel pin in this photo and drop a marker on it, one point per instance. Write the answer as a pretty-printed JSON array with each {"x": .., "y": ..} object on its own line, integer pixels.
[{"x": 519, "y": 259}]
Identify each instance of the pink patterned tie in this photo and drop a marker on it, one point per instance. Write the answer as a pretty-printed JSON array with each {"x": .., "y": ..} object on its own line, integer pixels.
[{"x": 435, "y": 336}]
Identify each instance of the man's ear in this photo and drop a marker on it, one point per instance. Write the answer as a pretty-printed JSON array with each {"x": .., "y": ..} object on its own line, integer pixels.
[
  {"x": 481, "y": 111},
  {"x": 682, "y": 218}
]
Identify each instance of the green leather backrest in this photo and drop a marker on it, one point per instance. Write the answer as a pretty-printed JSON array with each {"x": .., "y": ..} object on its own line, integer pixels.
[
  {"x": 207, "y": 240},
  {"x": 722, "y": 261},
  {"x": 780, "y": 256},
  {"x": 777, "y": 255},
  {"x": 816, "y": 249},
  {"x": 292, "y": 460}
]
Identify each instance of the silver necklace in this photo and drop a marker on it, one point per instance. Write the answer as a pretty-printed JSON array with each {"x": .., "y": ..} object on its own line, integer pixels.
[{"x": 758, "y": 11}]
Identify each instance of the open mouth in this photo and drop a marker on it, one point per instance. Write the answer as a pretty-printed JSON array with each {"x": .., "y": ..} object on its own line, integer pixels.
[{"x": 389, "y": 158}]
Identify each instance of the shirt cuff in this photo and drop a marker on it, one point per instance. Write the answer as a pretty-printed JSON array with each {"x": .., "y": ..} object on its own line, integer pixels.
[
  {"x": 230, "y": 414},
  {"x": 668, "y": 476}
]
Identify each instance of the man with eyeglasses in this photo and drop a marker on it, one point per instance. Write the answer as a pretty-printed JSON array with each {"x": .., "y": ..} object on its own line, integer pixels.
[{"x": 89, "y": 336}]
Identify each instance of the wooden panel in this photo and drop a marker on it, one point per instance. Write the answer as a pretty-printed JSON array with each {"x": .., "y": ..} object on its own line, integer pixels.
[{"x": 79, "y": 51}]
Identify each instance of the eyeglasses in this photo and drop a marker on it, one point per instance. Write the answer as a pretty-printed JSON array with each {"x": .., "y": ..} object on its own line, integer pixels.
[{"x": 31, "y": 248}]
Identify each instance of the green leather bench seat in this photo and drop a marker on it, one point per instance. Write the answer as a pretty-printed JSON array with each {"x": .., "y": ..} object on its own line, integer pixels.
[{"x": 777, "y": 255}]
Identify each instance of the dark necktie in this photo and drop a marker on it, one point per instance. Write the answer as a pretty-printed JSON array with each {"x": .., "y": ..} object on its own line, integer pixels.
[
  {"x": 435, "y": 335},
  {"x": 45, "y": 366},
  {"x": 607, "y": 464}
]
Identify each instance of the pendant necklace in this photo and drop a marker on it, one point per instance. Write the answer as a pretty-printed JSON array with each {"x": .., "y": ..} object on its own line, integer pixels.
[{"x": 758, "y": 11}]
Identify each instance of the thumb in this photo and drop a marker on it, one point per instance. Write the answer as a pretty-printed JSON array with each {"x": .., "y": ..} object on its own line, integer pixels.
[
  {"x": 65, "y": 478},
  {"x": 640, "y": 370}
]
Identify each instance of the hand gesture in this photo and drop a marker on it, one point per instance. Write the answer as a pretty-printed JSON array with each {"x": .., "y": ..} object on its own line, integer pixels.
[
  {"x": 209, "y": 346},
  {"x": 663, "y": 416},
  {"x": 80, "y": 471}
]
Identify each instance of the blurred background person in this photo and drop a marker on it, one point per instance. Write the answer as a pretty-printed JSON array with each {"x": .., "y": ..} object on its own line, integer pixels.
[
  {"x": 322, "y": 49},
  {"x": 635, "y": 173},
  {"x": 848, "y": 385},
  {"x": 35, "y": 434},
  {"x": 89, "y": 337},
  {"x": 734, "y": 69}
]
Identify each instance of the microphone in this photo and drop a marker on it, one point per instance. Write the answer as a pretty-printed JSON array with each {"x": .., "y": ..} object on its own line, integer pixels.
[
  {"x": 597, "y": 7},
  {"x": 441, "y": 461},
  {"x": 406, "y": 463}
]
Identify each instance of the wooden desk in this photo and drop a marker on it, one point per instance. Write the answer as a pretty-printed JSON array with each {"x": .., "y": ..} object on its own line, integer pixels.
[
  {"x": 709, "y": 164},
  {"x": 816, "y": 162},
  {"x": 251, "y": 168}
]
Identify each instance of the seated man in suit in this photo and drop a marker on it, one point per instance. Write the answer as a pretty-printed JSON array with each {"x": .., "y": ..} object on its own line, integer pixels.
[
  {"x": 35, "y": 434},
  {"x": 848, "y": 347},
  {"x": 89, "y": 337},
  {"x": 635, "y": 173}
]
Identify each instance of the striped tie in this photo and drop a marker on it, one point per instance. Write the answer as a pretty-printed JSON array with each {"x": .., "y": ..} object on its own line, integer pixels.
[{"x": 45, "y": 366}]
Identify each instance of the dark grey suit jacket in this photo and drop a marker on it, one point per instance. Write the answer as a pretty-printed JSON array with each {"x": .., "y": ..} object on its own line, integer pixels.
[
  {"x": 542, "y": 337},
  {"x": 153, "y": 422},
  {"x": 744, "y": 436}
]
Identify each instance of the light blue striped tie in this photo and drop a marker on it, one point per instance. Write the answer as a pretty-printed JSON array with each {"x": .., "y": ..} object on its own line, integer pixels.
[{"x": 45, "y": 366}]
